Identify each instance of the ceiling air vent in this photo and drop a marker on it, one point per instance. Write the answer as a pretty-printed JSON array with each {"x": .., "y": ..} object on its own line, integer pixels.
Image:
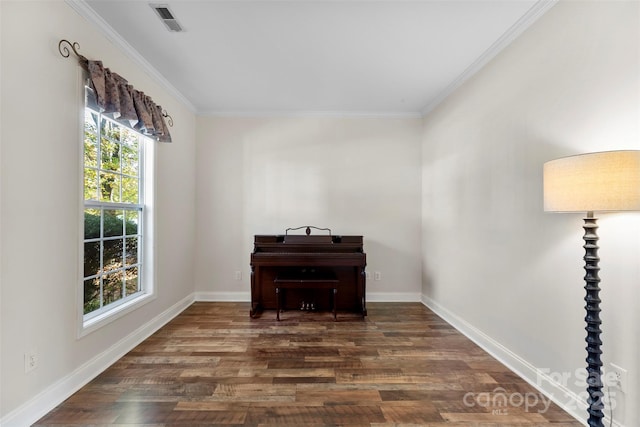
[{"x": 166, "y": 16}]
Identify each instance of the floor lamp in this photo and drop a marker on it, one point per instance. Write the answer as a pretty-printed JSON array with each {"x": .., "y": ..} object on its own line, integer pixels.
[{"x": 604, "y": 181}]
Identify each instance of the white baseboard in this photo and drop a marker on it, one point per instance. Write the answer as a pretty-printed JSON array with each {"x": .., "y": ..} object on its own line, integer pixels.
[
  {"x": 393, "y": 297},
  {"x": 541, "y": 381},
  {"x": 37, "y": 407},
  {"x": 223, "y": 296}
]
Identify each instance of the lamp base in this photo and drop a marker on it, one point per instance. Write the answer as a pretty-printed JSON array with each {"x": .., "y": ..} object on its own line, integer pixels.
[{"x": 592, "y": 300}]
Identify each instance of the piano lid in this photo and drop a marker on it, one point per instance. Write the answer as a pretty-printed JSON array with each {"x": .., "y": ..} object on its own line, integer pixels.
[{"x": 292, "y": 243}]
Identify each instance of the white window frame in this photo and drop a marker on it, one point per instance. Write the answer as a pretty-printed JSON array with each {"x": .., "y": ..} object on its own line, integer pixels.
[{"x": 146, "y": 271}]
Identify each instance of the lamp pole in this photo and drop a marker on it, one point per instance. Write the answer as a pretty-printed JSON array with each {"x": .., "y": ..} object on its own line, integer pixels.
[{"x": 592, "y": 300}]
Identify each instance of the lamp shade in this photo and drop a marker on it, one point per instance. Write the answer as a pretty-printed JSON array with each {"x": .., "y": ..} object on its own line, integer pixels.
[{"x": 604, "y": 181}]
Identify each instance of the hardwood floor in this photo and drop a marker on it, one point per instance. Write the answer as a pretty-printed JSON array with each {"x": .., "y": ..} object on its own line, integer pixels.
[{"x": 214, "y": 366}]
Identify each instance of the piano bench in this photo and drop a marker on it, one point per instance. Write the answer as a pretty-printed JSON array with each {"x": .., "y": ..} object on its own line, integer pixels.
[{"x": 304, "y": 281}]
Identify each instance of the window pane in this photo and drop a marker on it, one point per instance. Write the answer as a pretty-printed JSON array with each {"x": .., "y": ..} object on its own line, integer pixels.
[
  {"x": 91, "y": 258},
  {"x": 110, "y": 129},
  {"x": 132, "y": 221},
  {"x": 112, "y": 287},
  {"x": 112, "y": 254},
  {"x": 110, "y": 155},
  {"x": 90, "y": 122},
  {"x": 90, "y": 140},
  {"x": 91, "y": 223},
  {"x": 90, "y": 184},
  {"x": 113, "y": 222},
  {"x": 109, "y": 187},
  {"x": 129, "y": 137},
  {"x": 132, "y": 281},
  {"x": 129, "y": 190},
  {"x": 91, "y": 295},
  {"x": 90, "y": 153},
  {"x": 131, "y": 250},
  {"x": 130, "y": 159}
]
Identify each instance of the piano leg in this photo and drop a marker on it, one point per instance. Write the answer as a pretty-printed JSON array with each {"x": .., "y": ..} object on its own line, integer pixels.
[
  {"x": 335, "y": 292},
  {"x": 255, "y": 309},
  {"x": 278, "y": 304},
  {"x": 255, "y": 302}
]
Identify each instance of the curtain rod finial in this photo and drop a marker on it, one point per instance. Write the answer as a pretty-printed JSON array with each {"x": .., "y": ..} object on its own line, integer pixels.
[
  {"x": 65, "y": 45},
  {"x": 168, "y": 117}
]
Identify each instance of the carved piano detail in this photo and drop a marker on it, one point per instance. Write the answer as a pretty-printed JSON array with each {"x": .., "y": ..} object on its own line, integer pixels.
[{"x": 312, "y": 272}]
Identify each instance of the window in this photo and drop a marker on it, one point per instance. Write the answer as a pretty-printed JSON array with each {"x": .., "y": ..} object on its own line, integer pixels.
[{"x": 115, "y": 214}]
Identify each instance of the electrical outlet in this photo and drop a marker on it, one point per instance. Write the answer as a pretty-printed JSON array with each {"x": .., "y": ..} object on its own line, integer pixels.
[
  {"x": 377, "y": 275},
  {"x": 238, "y": 275},
  {"x": 619, "y": 377},
  {"x": 367, "y": 275},
  {"x": 30, "y": 361}
]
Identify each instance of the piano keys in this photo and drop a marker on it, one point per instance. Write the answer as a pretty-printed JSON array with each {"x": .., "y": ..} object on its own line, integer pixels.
[{"x": 309, "y": 272}]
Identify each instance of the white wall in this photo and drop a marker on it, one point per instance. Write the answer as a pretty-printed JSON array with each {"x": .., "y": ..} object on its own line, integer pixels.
[
  {"x": 356, "y": 176},
  {"x": 493, "y": 261},
  {"x": 41, "y": 206}
]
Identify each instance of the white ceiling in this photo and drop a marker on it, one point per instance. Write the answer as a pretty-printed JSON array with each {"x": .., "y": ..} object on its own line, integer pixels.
[{"x": 323, "y": 56}]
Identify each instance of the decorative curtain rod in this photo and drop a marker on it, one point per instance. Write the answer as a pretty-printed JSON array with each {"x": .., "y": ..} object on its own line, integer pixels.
[{"x": 115, "y": 95}]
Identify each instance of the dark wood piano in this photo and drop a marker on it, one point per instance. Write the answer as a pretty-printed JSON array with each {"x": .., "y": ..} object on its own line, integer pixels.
[{"x": 308, "y": 272}]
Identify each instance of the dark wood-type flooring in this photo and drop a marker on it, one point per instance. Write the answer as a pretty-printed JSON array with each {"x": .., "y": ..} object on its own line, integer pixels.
[{"x": 215, "y": 366}]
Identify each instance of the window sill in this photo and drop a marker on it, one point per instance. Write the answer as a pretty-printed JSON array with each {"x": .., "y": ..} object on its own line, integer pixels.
[{"x": 93, "y": 324}]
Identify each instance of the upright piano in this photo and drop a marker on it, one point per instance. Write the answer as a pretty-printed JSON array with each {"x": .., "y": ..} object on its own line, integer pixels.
[{"x": 308, "y": 272}]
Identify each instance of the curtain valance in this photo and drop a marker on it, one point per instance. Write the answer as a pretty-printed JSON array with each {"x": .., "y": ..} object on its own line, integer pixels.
[{"x": 115, "y": 96}]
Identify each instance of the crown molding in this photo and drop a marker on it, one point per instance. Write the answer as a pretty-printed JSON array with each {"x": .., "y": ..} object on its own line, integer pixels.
[
  {"x": 536, "y": 11},
  {"x": 319, "y": 114},
  {"x": 84, "y": 10}
]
